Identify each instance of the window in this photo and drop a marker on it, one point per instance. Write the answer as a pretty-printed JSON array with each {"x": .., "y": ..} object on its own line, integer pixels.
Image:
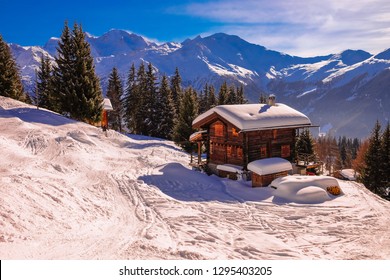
[
  {"x": 211, "y": 148},
  {"x": 239, "y": 152},
  {"x": 285, "y": 151},
  {"x": 234, "y": 132},
  {"x": 218, "y": 128},
  {"x": 263, "y": 151},
  {"x": 229, "y": 151}
]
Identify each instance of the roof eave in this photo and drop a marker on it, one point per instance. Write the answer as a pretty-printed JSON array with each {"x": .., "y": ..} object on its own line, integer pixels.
[{"x": 278, "y": 127}]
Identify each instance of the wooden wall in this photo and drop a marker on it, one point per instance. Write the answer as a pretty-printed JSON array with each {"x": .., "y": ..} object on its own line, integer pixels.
[
  {"x": 270, "y": 143},
  {"x": 265, "y": 180},
  {"x": 228, "y": 146}
]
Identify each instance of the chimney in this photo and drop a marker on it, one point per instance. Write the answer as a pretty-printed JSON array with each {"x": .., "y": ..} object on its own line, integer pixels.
[{"x": 271, "y": 100}]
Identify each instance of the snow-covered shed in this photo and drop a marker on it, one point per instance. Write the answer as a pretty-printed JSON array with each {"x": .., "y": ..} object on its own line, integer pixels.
[
  {"x": 240, "y": 134},
  {"x": 107, "y": 106},
  {"x": 264, "y": 171}
]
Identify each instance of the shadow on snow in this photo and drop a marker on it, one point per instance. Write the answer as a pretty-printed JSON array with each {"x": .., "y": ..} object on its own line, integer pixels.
[
  {"x": 183, "y": 184},
  {"x": 33, "y": 115}
]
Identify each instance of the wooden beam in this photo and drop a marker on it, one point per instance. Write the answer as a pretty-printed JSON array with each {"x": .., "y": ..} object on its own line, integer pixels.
[{"x": 199, "y": 152}]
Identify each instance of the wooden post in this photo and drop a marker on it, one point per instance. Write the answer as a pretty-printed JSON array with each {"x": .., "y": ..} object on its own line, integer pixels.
[
  {"x": 245, "y": 150},
  {"x": 199, "y": 152}
]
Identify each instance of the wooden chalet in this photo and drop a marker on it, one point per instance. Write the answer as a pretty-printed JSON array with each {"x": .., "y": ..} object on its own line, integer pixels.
[{"x": 236, "y": 135}]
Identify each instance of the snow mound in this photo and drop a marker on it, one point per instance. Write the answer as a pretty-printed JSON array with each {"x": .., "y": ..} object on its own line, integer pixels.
[
  {"x": 303, "y": 189},
  {"x": 349, "y": 174}
]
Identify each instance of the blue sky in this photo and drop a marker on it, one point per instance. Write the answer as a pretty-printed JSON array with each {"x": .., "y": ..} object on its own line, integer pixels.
[{"x": 298, "y": 27}]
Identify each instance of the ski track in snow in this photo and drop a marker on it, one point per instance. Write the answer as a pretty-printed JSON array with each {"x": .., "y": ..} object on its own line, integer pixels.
[{"x": 69, "y": 192}]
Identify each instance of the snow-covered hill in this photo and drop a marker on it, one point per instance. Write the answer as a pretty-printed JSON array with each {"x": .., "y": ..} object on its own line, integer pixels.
[
  {"x": 310, "y": 84},
  {"x": 67, "y": 191}
]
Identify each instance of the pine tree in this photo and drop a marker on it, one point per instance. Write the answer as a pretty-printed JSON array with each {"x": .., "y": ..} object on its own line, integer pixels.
[
  {"x": 223, "y": 94},
  {"x": 114, "y": 93},
  {"x": 305, "y": 143},
  {"x": 385, "y": 159},
  {"x": 131, "y": 101},
  {"x": 240, "y": 95},
  {"x": 204, "y": 99},
  {"x": 63, "y": 71},
  {"x": 187, "y": 113},
  {"x": 371, "y": 176},
  {"x": 151, "y": 103},
  {"x": 343, "y": 150},
  {"x": 167, "y": 110},
  {"x": 141, "y": 114},
  {"x": 176, "y": 89},
  {"x": 44, "y": 85},
  {"x": 355, "y": 148},
  {"x": 76, "y": 85},
  {"x": 212, "y": 101},
  {"x": 263, "y": 98},
  {"x": 231, "y": 97},
  {"x": 10, "y": 81}
]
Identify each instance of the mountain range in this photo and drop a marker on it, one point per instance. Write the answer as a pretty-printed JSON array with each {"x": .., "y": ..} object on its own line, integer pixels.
[{"x": 343, "y": 93}]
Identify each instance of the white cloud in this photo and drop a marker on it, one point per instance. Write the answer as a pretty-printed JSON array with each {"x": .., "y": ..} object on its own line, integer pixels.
[{"x": 302, "y": 27}]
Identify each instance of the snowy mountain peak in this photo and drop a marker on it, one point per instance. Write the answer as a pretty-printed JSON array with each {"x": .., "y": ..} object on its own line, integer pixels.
[
  {"x": 350, "y": 57},
  {"x": 385, "y": 55},
  {"x": 118, "y": 42},
  {"x": 226, "y": 37},
  {"x": 51, "y": 46}
]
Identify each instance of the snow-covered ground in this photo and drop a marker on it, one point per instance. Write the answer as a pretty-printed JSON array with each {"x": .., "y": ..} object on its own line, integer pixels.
[{"x": 69, "y": 192}]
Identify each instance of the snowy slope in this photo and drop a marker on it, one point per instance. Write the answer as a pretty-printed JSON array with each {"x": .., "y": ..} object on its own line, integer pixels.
[{"x": 69, "y": 192}]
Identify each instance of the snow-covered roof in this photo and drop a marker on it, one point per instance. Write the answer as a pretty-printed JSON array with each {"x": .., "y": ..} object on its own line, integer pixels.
[
  {"x": 349, "y": 174},
  {"x": 107, "y": 105},
  {"x": 197, "y": 135},
  {"x": 230, "y": 168},
  {"x": 248, "y": 117},
  {"x": 269, "y": 166}
]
